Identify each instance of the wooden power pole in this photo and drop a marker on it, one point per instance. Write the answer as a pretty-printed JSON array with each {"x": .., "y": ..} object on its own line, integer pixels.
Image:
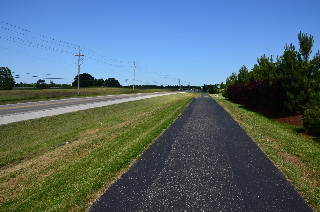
[{"x": 79, "y": 59}]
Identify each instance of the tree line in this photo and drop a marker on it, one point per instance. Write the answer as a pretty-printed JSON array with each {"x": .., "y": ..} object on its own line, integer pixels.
[
  {"x": 290, "y": 82},
  {"x": 7, "y": 81},
  {"x": 87, "y": 80}
]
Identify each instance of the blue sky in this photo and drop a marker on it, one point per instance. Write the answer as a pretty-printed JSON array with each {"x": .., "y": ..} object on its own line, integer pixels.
[{"x": 196, "y": 41}]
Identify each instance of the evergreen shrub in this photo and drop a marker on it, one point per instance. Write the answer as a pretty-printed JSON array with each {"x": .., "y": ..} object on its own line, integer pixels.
[{"x": 311, "y": 121}]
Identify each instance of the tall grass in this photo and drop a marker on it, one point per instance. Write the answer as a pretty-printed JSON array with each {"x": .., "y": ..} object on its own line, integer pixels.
[
  {"x": 297, "y": 155},
  {"x": 63, "y": 163}
]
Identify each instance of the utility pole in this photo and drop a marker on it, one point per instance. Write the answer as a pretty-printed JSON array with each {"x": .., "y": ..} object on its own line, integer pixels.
[
  {"x": 134, "y": 73},
  {"x": 179, "y": 84},
  {"x": 79, "y": 59}
]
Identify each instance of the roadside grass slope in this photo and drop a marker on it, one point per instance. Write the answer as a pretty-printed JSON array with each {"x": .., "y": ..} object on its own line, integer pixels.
[
  {"x": 65, "y": 162},
  {"x": 28, "y": 95}
]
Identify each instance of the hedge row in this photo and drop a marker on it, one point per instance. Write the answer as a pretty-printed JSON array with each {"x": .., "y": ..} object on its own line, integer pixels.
[{"x": 263, "y": 92}]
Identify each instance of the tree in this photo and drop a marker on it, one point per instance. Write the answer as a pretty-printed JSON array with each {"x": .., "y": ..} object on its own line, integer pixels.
[
  {"x": 52, "y": 84},
  {"x": 41, "y": 84},
  {"x": 265, "y": 69},
  {"x": 232, "y": 79},
  {"x": 314, "y": 66},
  {"x": 290, "y": 63},
  {"x": 306, "y": 44},
  {"x": 243, "y": 76},
  {"x": 6, "y": 79},
  {"x": 213, "y": 89},
  {"x": 99, "y": 82},
  {"x": 86, "y": 80},
  {"x": 222, "y": 85},
  {"x": 112, "y": 82},
  {"x": 301, "y": 74}
]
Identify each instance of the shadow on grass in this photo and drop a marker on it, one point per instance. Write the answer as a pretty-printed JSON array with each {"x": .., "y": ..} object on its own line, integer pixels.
[
  {"x": 317, "y": 139},
  {"x": 300, "y": 130}
]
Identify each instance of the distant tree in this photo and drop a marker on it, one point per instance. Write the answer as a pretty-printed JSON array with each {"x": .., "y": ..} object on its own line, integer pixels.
[
  {"x": 112, "y": 82},
  {"x": 213, "y": 89},
  {"x": 52, "y": 84},
  {"x": 205, "y": 88},
  {"x": 6, "y": 79},
  {"x": 42, "y": 84},
  {"x": 86, "y": 80},
  {"x": 99, "y": 82},
  {"x": 222, "y": 85},
  {"x": 232, "y": 79}
]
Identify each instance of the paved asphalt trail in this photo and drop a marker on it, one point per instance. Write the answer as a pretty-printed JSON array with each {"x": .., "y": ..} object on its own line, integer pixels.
[{"x": 204, "y": 162}]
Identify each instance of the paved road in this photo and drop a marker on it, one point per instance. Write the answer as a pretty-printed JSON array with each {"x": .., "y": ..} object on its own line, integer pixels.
[
  {"x": 203, "y": 162},
  {"x": 49, "y": 105},
  {"x": 25, "y": 111}
]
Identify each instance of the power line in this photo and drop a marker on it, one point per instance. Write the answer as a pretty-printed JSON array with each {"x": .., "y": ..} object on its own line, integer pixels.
[
  {"x": 28, "y": 31},
  {"x": 38, "y": 41},
  {"x": 34, "y": 44}
]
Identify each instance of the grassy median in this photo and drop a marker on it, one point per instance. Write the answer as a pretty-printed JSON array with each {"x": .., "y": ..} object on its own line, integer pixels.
[
  {"x": 297, "y": 155},
  {"x": 65, "y": 162},
  {"x": 33, "y": 94}
]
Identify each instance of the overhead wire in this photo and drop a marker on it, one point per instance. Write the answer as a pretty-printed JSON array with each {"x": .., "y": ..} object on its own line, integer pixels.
[{"x": 38, "y": 41}]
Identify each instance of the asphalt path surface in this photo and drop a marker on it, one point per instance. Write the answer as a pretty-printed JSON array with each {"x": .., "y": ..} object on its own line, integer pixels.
[{"x": 204, "y": 162}]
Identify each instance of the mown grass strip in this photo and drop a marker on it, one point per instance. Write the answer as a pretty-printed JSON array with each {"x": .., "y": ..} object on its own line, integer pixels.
[
  {"x": 63, "y": 163},
  {"x": 297, "y": 155}
]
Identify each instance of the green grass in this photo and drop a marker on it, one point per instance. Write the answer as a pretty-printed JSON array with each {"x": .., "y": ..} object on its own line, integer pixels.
[
  {"x": 26, "y": 95},
  {"x": 297, "y": 155},
  {"x": 65, "y": 162}
]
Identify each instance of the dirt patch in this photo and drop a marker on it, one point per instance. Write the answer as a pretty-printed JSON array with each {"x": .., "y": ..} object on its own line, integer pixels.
[
  {"x": 292, "y": 120},
  {"x": 291, "y": 159},
  {"x": 280, "y": 116}
]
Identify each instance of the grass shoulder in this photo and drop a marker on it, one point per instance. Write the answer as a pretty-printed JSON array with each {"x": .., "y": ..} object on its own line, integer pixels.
[
  {"x": 29, "y": 95},
  {"x": 65, "y": 162}
]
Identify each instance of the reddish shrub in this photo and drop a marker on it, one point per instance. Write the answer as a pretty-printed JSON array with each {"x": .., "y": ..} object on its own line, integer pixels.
[{"x": 263, "y": 92}]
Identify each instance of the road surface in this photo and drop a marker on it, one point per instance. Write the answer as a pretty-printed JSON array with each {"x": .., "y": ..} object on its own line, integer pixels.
[{"x": 25, "y": 111}]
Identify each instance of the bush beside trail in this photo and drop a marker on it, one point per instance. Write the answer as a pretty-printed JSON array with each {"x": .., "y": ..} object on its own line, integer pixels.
[
  {"x": 269, "y": 93},
  {"x": 311, "y": 121}
]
